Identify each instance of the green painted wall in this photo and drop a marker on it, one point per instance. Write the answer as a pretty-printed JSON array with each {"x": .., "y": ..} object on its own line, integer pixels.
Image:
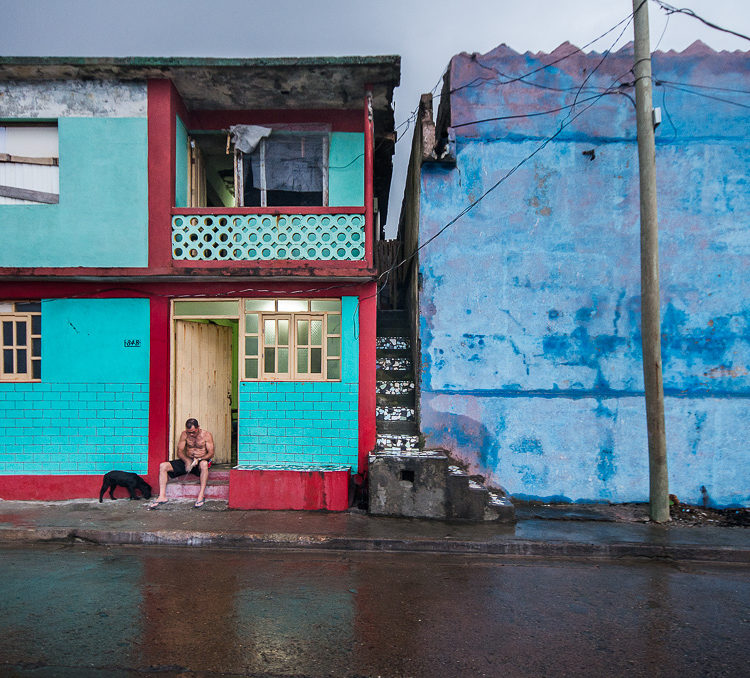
[
  {"x": 346, "y": 170},
  {"x": 102, "y": 216},
  {"x": 95, "y": 341},
  {"x": 181, "y": 165}
]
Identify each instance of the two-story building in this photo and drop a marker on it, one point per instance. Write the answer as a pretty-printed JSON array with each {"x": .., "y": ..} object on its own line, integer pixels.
[{"x": 191, "y": 237}]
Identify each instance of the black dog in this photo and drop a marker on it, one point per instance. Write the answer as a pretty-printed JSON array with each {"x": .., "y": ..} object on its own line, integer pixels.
[{"x": 124, "y": 479}]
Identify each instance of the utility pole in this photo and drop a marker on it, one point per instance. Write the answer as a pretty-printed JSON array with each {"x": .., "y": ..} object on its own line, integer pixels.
[{"x": 650, "y": 313}]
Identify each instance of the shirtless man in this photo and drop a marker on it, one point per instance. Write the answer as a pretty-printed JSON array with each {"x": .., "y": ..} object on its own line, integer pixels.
[{"x": 195, "y": 449}]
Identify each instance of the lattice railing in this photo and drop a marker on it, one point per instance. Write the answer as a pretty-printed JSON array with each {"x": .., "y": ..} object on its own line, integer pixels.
[{"x": 267, "y": 237}]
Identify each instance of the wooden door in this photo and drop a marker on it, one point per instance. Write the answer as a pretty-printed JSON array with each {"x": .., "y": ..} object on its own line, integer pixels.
[{"x": 203, "y": 382}]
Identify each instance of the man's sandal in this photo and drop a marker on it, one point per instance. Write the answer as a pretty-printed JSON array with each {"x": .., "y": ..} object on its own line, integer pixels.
[
  {"x": 199, "y": 503},
  {"x": 156, "y": 504}
]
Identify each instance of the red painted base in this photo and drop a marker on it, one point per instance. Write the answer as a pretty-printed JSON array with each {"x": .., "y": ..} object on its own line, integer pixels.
[
  {"x": 289, "y": 490},
  {"x": 51, "y": 488}
]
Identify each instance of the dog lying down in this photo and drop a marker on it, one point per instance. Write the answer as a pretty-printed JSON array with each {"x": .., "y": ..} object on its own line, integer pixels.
[{"x": 132, "y": 481}]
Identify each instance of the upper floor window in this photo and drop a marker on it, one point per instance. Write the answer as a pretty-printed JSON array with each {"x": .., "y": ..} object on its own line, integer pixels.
[
  {"x": 21, "y": 336},
  {"x": 261, "y": 167},
  {"x": 29, "y": 160}
]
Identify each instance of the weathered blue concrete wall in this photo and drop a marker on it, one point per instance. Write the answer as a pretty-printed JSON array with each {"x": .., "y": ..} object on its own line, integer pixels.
[{"x": 530, "y": 306}]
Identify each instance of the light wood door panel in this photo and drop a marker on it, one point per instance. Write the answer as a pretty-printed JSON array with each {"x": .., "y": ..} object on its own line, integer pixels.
[{"x": 203, "y": 382}]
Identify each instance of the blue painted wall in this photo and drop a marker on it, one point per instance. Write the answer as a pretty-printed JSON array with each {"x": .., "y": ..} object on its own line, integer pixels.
[
  {"x": 305, "y": 423},
  {"x": 530, "y": 306},
  {"x": 346, "y": 169},
  {"x": 89, "y": 414},
  {"x": 102, "y": 216}
]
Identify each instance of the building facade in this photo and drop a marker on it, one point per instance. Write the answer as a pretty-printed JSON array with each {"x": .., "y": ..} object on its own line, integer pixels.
[
  {"x": 528, "y": 306},
  {"x": 191, "y": 238}
]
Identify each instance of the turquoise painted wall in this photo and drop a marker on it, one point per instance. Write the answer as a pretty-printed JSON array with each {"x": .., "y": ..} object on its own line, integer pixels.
[
  {"x": 181, "y": 165},
  {"x": 346, "y": 170},
  {"x": 305, "y": 423},
  {"x": 102, "y": 216},
  {"x": 89, "y": 415}
]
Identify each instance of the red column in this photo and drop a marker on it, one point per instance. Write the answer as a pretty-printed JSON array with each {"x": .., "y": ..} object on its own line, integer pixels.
[
  {"x": 161, "y": 161},
  {"x": 158, "y": 411},
  {"x": 369, "y": 148},
  {"x": 367, "y": 375}
]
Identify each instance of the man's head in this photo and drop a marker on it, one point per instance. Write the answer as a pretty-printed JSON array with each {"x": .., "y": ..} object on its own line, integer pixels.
[{"x": 192, "y": 426}]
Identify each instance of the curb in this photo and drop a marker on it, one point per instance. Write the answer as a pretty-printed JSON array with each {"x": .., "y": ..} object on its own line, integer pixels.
[{"x": 510, "y": 547}]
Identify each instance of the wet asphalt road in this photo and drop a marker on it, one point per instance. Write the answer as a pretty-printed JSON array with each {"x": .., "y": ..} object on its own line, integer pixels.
[{"x": 78, "y": 611}]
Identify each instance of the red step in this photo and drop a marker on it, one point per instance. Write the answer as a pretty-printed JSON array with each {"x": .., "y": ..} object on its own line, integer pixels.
[{"x": 187, "y": 487}]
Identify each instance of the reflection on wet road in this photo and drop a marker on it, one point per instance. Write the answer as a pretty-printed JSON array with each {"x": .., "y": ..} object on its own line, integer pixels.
[{"x": 90, "y": 611}]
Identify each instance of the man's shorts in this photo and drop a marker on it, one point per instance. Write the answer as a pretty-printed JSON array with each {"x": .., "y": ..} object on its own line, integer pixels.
[{"x": 179, "y": 469}]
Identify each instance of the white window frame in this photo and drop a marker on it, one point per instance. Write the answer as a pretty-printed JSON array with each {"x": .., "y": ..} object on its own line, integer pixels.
[{"x": 29, "y": 163}]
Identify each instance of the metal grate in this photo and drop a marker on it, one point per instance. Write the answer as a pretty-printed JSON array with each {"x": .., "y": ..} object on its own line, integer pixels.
[{"x": 267, "y": 237}]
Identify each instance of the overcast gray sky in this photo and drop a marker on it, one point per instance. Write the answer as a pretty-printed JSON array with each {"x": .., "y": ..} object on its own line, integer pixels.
[{"x": 425, "y": 34}]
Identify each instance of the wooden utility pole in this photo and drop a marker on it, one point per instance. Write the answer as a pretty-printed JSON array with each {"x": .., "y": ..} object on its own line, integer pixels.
[{"x": 650, "y": 313}]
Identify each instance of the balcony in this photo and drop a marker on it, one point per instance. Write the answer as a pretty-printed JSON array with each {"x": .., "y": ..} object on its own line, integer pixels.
[{"x": 266, "y": 234}]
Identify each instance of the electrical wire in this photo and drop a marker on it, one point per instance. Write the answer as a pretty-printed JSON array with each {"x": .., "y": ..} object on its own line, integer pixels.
[{"x": 670, "y": 9}]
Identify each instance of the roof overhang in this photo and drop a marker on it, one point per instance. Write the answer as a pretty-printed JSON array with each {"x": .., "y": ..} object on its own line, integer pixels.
[{"x": 234, "y": 84}]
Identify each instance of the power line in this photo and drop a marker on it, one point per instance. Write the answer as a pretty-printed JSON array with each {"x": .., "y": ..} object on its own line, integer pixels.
[{"x": 669, "y": 9}]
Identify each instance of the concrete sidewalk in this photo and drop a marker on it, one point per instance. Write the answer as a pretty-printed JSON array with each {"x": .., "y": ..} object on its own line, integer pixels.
[{"x": 550, "y": 531}]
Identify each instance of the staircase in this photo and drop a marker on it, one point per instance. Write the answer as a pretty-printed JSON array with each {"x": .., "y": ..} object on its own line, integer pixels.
[
  {"x": 404, "y": 479},
  {"x": 187, "y": 486}
]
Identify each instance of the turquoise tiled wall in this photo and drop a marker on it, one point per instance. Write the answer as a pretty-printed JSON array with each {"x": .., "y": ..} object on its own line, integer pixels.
[
  {"x": 89, "y": 415},
  {"x": 298, "y": 423},
  {"x": 69, "y": 429},
  {"x": 305, "y": 423}
]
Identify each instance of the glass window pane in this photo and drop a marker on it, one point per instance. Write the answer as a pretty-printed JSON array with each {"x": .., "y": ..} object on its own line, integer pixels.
[
  {"x": 260, "y": 305},
  {"x": 325, "y": 305},
  {"x": 36, "y": 369},
  {"x": 29, "y": 307},
  {"x": 293, "y": 305},
  {"x": 36, "y": 324},
  {"x": 283, "y": 360},
  {"x": 302, "y": 360},
  {"x": 334, "y": 369},
  {"x": 207, "y": 308},
  {"x": 7, "y": 333},
  {"x": 21, "y": 333},
  {"x": 316, "y": 332},
  {"x": 302, "y": 332},
  {"x": 269, "y": 360},
  {"x": 316, "y": 360},
  {"x": 269, "y": 332},
  {"x": 8, "y": 361},
  {"x": 334, "y": 324},
  {"x": 251, "y": 368},
  {"x": 251, "y": 323},
  {"x": 21, "y": 361},
  {"x": 283, "y": 332},
  {"x": 36, "y": 347},
  {"x": 334, "y": 346},
  {"x": 251, "y": 346}
]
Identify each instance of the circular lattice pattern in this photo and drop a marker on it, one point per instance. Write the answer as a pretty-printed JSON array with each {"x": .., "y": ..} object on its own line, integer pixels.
[{"x": 265, "y": 237}]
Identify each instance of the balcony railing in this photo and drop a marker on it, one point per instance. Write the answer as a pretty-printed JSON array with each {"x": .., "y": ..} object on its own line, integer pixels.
[{"x": 268, "y": 236}]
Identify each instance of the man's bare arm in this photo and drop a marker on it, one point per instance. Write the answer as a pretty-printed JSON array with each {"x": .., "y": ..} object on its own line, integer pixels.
[
  {"x": 181, "y": 445},
  {"x": 209, "y": 446}
]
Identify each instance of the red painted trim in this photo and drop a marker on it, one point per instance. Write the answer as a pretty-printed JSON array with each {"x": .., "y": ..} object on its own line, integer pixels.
[
  {"x": 367, "y": 372},
  {"x": 369, "y": 151},
  {"x": 49, "y": 488},
  {"x": 276, "y": 211},
  {"x": 161, "y": 161},
  {"x": 288, "y": 490},
  {"x": 159, "y": 400},
  {"x": 339, "y": 120}
]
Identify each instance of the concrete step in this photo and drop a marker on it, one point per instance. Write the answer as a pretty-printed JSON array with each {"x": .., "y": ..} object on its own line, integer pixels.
[
  {"x": 394, "y": 363},
  {"x": 394, "y": 413},
  {"x": 395, "y": 442},
  {"x": 469, "y": 499},
  {"x": 394, "y": 387},
  {"x": 397, "y": 427},
  {"x": 187, "y": 487},
  {"x": 402, "y": 343}
]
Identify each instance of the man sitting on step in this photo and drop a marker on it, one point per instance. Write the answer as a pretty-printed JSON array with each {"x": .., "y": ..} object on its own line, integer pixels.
[{"x": 195, "y": 449}]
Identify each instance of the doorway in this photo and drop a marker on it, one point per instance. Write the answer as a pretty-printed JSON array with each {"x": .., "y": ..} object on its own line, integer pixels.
[{"x": 205, "y": 382}]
